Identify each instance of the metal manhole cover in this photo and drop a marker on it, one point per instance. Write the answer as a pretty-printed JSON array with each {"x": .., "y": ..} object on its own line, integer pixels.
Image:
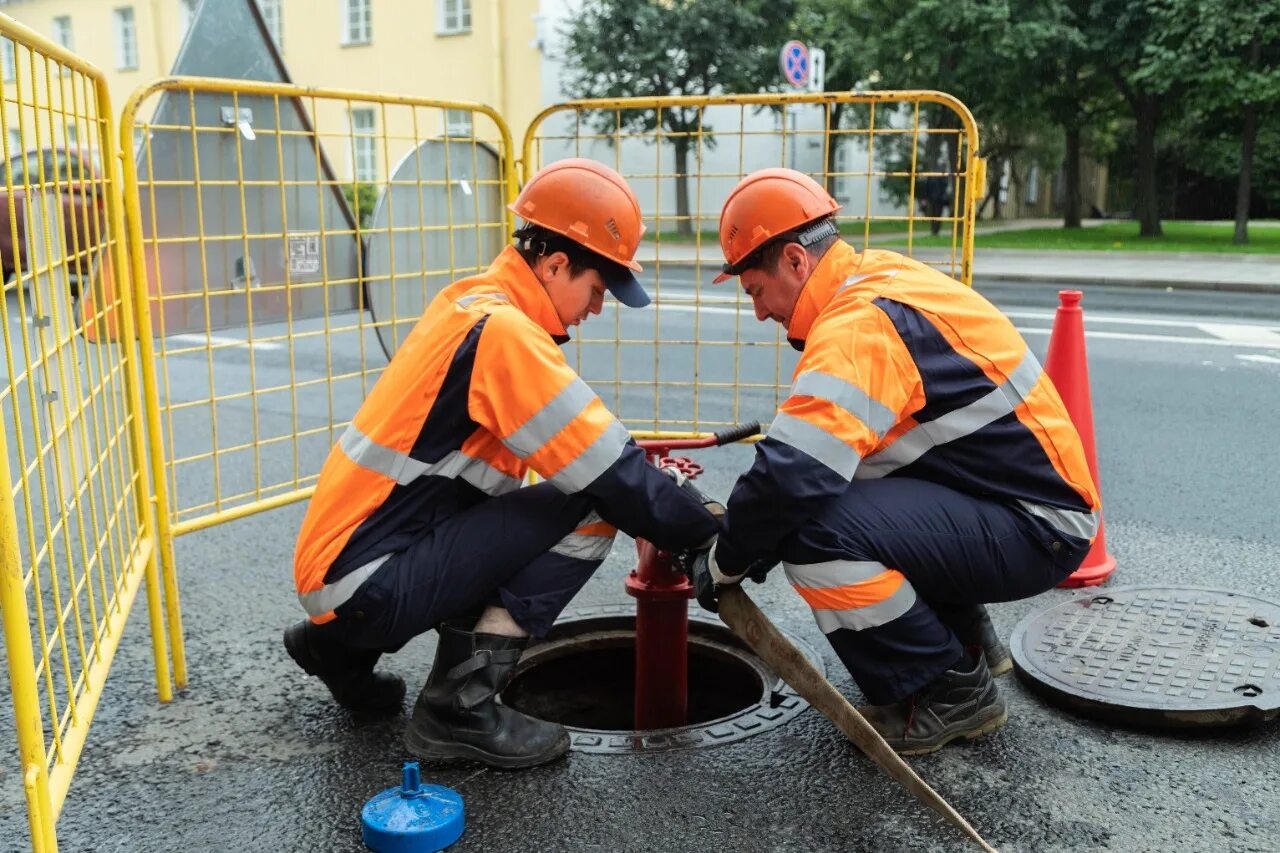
[{"x": 1160, "y": 656}]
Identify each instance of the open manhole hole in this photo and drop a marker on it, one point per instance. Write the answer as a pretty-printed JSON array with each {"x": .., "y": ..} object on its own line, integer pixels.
[{"x": 583, "y": 676}]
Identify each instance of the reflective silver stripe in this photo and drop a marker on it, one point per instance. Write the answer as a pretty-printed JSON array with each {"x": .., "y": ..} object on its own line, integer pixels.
[
  {"x": 834, "y": 573},
  {"x": 859, "y": 279},
  {"x": 1082, "y": 525},
  {"x": 466, "y": 301},
  {"x": 593, "y": 461},
  {"x": 403, "y": 468},
  {"x": 367, "y": 453},
  {"x": 815, "y": 383},
  {"x": 484, "y": 476},
  {"x": 815, "y": 441},
  {"x": 547, "y": 423},
  {"x": 328, "y": 597},
  {"x": 871, "y": 616},
  {"x": 957, "y": 423},
  {"x": 583, "y": 546}
]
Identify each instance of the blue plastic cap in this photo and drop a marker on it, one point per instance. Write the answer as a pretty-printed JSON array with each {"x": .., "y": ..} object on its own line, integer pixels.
[{"x": 414, "y": 818}]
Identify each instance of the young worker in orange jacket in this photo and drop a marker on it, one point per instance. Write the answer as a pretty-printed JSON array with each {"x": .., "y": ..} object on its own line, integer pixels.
[
  {"x": 922, "y": 465},
  {"x": 419, "y": 520}
]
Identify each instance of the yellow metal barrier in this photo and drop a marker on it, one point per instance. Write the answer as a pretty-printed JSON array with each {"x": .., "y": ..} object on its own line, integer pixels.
[
  {"x": 904, "y": 165},
  {"x": 75, "y": 537},
  {"x": 284, "y": 240}
]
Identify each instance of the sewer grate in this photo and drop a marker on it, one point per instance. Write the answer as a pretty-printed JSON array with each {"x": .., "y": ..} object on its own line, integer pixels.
[{"x": 1180, "y": 657}]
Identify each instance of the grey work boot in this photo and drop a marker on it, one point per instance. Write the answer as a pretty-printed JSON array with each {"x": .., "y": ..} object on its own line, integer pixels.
[
  {"x": 956, "y": 704},
  {"x": 973, "y": 628},
  {"x": 458, "y": 716},
  {"x": 346, "y": 671}
]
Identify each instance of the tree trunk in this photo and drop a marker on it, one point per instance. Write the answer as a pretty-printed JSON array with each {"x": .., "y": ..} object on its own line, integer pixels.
[
  {"x": 1071, "y": 179},
  {"x": 1248, "y": 136},
  {"x": 995, "y": 177},
  {"x": 1147, "y": 201},
  {"x": 833, "y": 141},
  {"x": 684, "y": 225}
]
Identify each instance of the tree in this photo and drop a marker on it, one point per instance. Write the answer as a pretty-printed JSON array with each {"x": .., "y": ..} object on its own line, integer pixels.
[
  {"x": 647, "y": 48},
  {"x": 981, "y": 51},
  {"x": 1129, "y": 41},
  {"x": 1077, "y": 94},
  {"x": 1230, "y": 55}
]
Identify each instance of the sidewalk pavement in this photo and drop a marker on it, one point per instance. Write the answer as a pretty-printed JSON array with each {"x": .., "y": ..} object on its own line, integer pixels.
[{"x": 1180, "y": 271}]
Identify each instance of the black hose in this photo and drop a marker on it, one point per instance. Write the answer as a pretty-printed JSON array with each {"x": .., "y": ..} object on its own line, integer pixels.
[{"x": 738, "y": 432}]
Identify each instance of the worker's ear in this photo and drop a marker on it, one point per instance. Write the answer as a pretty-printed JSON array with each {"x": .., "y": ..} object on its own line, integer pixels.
[
  {"x": 795, "y": 260},
  {"x": 551, "y": 267}
]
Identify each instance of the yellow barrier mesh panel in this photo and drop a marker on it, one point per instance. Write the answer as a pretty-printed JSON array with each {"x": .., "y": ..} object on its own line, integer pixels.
[
  {"x": 287, "y": 239},
  {"x": 75, "y": 543},
  {"x": 900, "y": 163}
]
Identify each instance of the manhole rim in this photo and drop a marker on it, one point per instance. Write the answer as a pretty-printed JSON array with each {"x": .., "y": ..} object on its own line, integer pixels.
[
  {"x": 546, "y": 652},
  {"x": 779, "y": 704}
]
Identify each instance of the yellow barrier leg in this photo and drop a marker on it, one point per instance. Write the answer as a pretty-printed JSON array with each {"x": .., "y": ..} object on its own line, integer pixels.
[
  {"x": 43, "y": 837},
  {"x": 22, "y": 669}
]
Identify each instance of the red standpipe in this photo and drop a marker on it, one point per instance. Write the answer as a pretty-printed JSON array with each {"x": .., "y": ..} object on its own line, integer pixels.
[{"x": 662, "y": 596}]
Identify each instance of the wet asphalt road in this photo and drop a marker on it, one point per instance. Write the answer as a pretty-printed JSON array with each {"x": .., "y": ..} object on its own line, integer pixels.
[{"x": 253, "y": 756}]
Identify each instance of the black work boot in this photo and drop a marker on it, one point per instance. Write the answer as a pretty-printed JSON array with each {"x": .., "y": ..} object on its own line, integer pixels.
[
  {"x": 973, "y": 628},
  {"x": 457, "y": 715},
  {"x": 346, "y": 671},
  {"x": 955, "y": 704}
]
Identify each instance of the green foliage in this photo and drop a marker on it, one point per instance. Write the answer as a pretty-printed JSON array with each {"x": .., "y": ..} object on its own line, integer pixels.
[
  {"x": 1123, "y": 236},
  {"x": 362, "y": 198},
  {"x": 647, "y": 48}
]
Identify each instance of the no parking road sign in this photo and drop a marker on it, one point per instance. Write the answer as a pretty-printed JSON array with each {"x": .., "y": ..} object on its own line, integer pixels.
[{"x": 794, "y": 62}]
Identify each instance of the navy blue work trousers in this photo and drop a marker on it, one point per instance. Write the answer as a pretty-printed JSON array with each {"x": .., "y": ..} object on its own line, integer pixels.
[
  {"x": 498, "y": 552},
  {"x": 953, "y": 548}
]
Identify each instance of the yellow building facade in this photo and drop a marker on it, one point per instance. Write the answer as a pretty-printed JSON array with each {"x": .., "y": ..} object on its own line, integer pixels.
[{"x": 468, "y": 50}]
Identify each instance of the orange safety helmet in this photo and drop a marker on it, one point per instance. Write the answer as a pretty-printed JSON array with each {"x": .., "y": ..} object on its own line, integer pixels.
[
  {"x": 767, "y": 204},
  {"x": 592, "y": 205}
]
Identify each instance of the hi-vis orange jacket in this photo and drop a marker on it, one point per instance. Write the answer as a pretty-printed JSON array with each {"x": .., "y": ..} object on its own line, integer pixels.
[
  {"x": 477, "y": 394},
  {"x": 907, "y": 373}
]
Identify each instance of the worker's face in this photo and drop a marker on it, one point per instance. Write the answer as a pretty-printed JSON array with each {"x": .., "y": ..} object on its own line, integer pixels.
[
  {"x": 575, "y": 297},
  {"x": 774, "y": 292}
]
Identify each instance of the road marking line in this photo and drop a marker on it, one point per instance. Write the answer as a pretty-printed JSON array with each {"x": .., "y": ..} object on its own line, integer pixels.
[
  {"x": 219, "y": 340},
  {"x": 1167, "y": 339},
  {"x": 1259, "y": 335},
  {"x": 1261, "y": 359}
]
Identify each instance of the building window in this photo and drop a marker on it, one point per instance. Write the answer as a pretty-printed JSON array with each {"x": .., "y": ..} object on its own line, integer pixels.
[
  {"x": 274, "y": 17},
  {"x": 457, "y": 123},
  {"x": 126, "y": 40},
  {"x": 455, "y": 16},
  {"x": 357, "y": 22},
  {"x": 364, "y": 141},
  {"x": 8, "y": 65},
  {"x": 62, "y": 31},
  {"x": 1033, "y": 184}
]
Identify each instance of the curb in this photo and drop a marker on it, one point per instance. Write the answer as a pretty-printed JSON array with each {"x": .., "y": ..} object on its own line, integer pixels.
[
  {"x": 1039, "y": 278},
  {"x": 1137, "y": 284}
]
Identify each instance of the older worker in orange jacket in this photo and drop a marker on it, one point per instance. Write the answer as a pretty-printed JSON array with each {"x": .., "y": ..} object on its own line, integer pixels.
[{"x": 922, "y": 465}]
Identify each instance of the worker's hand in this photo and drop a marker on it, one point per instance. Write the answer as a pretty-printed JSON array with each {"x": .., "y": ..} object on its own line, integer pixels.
[{"x": 707, "y": 579}]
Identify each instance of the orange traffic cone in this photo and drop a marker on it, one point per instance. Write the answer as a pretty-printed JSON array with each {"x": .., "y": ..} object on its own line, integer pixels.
[{"x": 1068, "y": 366}]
